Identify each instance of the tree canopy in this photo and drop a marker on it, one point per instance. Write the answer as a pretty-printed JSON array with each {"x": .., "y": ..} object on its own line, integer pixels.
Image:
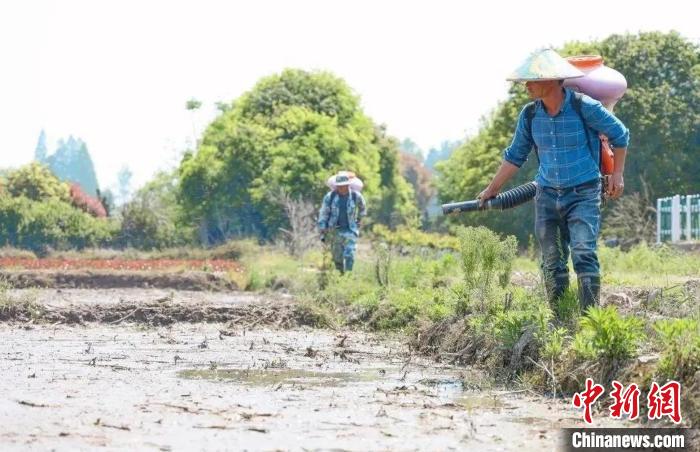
[
  {"x": 290, "y": 132},
  {"x": 36, "y": 182}
]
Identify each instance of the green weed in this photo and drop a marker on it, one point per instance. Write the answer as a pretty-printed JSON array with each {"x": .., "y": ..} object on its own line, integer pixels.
[
  {"x": 680, "y": 339},
  {"x": 605, "y": 334}
]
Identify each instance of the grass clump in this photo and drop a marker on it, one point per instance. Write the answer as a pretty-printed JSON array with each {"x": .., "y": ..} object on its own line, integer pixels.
[
  {"x": 18, "y": 307},
  {"x": 567, "y": 310},
  {"x": 486, "y": 257},
  {"x": 553, "y": 343},
  {"x": 680, "y": 354},
  {"x": 414, "y": 238},
  {"x": 268, "y": 267},
  {"x": 605, "y": 334}
]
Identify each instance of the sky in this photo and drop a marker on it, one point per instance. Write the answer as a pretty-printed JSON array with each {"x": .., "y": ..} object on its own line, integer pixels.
[{"x": 117, "y": 74}]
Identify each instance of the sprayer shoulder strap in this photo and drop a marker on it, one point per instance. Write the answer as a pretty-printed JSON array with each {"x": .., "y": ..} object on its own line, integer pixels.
[
  {"x": 576, "y": 103},
  {"x": 530, "y": 110}
]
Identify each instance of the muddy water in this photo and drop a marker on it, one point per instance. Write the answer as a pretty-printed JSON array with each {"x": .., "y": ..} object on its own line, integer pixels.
[{"x": 219, "y": 387}]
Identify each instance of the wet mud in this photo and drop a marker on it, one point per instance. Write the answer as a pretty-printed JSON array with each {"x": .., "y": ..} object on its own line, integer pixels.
[
  {"x": 246, "y": 386},
  {"x": 150, "y": 307}
]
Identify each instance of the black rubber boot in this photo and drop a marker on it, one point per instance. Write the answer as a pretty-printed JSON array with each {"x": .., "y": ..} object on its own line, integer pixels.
[
  {"x": 555, "y": 288},
  {"x": 588, "y": 291}
]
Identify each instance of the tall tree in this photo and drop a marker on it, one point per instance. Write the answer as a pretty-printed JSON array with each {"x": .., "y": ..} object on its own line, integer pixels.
[
  {"x": 124, "y": 177},
  {"x": 72, "y": 162},
  {"x": 41, "y": 151},
  {"x": 420, "y": 178},
  {"x": 192, "y": 105}
]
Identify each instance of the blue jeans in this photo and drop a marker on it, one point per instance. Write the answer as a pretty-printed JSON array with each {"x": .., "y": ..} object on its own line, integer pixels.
[
  {"x": 568, "y": 221},
  {"x": 343, "y": 244}
]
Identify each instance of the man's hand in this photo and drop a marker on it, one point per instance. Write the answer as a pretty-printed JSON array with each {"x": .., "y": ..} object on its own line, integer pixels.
[
  {"x": 616, "y": 185},
  {"x": 504, "y": 173},
  {"x": 486, "y": 194}
]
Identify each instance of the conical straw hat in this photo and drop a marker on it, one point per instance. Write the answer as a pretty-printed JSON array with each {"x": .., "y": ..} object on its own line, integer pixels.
[{"x": 544, "y": 64}]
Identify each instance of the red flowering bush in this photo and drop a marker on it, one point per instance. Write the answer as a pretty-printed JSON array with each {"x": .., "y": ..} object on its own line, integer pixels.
[{"x": 85, "y": 202}]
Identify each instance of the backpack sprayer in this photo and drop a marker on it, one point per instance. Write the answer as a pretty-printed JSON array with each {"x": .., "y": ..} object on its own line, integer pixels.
[{"x": 599, "y": 82}]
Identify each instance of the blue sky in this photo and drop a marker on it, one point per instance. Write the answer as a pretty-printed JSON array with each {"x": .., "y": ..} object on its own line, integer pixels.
[{"x": 117, "y": 74}]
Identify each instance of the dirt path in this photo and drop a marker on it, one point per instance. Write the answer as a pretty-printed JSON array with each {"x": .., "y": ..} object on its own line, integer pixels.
[{"x": 194, "y": 386}]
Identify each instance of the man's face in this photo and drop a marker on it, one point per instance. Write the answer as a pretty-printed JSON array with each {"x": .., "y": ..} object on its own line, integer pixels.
[
  {"x": 542, "y": 88},
  {"x": 343, "y": 190}
]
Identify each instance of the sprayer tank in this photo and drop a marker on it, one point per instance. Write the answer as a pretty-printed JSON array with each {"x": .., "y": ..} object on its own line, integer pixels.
[{"x": 600, "y": 82}]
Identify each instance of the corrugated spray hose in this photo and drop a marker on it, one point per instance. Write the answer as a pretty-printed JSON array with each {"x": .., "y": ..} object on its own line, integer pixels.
[{"x": 506, "y": 200}]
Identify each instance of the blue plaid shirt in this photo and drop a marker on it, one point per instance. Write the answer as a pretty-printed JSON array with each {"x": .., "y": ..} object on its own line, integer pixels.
[
  {"x": 329, "y": 213},
  {"x": 566, "y": 160}
]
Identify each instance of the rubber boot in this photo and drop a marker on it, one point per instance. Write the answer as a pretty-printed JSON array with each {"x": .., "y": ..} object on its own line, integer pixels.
[
  {"x": 339, "y": 266},
  {"x": 588, "y": 291},
  {"x": 349, "y": 262},
  {"x": 555, "y": 288}
]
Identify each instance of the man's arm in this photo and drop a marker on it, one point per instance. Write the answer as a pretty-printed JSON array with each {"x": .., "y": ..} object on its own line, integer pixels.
[
  {"x": 603, "y": 121},
  {"x": 361, "y": 208},
  {"x": 513, "y": 158},
  {"x": 323, "y": 213},
  {"x": 503, "y": 175}
]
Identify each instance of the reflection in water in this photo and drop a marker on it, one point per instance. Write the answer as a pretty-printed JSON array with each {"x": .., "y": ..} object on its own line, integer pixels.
[
  {"x": 446, "y": 390},
  {"x": 264, "y": 377}
]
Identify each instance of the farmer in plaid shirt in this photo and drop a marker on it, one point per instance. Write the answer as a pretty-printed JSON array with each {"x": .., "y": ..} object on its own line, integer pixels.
[
  {"x": 568, "y": 199},
  {"x": 339, "y": 220}
]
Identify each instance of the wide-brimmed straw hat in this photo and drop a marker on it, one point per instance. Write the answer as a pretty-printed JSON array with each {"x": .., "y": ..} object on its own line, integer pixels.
[
  {"x": 345, "y": 178},
  {"x": 341, "y": 180},
  {"x": 545, "y": 64}
]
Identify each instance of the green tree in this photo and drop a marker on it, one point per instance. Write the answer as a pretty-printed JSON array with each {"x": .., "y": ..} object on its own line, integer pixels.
[
  {"x": 151, "y": 219},
  {"x": 289, "y": 133},
  {"x": 36, "y": 182},
  {"x": 397, "y": 203},
  {"x": 72, "y": 163},
  {"x": 50, "y": 224},
  {"x": 661, "y": 108}
]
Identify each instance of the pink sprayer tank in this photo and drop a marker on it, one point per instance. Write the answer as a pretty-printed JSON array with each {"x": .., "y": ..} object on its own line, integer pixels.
[{"x": 600, "y": 82}]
